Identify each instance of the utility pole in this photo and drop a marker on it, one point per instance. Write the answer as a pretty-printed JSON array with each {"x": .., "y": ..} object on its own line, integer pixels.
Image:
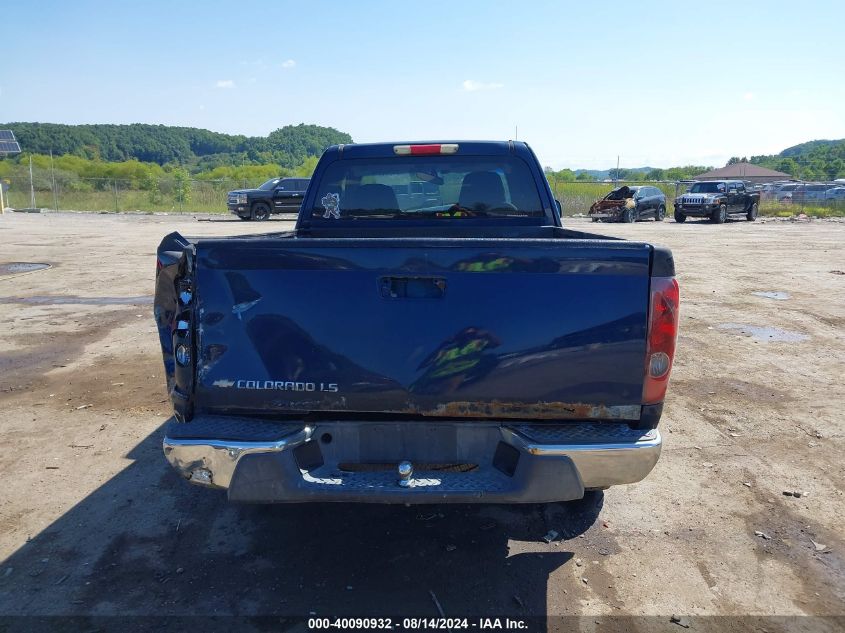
[
  {"x": 53, "y": 178},
  {"x": 31, "y": 186},
  {"x": 616, "y": 173}
]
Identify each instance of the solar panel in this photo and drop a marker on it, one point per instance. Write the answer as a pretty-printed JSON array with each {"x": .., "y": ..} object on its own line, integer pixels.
[
  {"x": 10, "y": 147},
  {"x": 7, "y": 135}
]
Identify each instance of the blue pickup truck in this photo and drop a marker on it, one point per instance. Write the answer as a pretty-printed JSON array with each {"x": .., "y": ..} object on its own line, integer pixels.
[{"x": 456, "y": 346}]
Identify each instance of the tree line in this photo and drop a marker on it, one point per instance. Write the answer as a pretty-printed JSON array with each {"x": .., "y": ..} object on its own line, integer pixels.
[
  {"x": 194, "y": 149},
  {"x": 815, "y": 160},
  {"x": 631, "y": 175},
  {"x": 143, "y": 153}
]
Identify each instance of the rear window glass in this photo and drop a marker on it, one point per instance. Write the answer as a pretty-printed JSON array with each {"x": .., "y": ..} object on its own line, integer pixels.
[{"x": 427, "y": 186}]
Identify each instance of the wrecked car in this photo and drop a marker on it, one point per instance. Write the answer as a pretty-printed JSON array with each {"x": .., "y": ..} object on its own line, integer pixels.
[
  {"x": 629, "y": 204},
  {"x": 462, "y": 346}
]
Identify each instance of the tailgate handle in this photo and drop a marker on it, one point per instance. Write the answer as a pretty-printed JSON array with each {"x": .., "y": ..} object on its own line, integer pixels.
[{"x": 412, "y": 287}]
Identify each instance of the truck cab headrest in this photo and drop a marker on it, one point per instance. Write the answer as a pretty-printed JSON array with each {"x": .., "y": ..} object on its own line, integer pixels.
[
  {"x": 482, "y": 190},
  {"x": 371, "y": 198}
]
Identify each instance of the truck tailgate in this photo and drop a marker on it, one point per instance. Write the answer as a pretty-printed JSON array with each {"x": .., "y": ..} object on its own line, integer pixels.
[{"x": 456, "y": 328}]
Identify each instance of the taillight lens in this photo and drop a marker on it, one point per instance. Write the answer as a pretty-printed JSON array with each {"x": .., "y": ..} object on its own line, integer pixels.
[{"x": 662, "y": 335}]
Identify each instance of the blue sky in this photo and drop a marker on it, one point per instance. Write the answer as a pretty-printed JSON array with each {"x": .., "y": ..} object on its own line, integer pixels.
[{"x": 659, "y": 83}]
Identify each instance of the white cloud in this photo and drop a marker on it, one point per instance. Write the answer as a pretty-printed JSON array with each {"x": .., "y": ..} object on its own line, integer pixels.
[
  {"x": 224, "y": 83},
  {"x": 288, "y": 63},
  {"x": 748, "y": 96},
  {"x": 471, "y": 85}
]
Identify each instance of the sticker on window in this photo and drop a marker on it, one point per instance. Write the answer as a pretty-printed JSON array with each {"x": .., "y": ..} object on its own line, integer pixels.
[{"x": 331, "y": 204}]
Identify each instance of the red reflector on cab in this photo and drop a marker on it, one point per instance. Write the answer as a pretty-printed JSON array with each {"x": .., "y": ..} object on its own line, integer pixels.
[
  {"x": 661, "y": 338},
  {"x": 421, "y": 150}
]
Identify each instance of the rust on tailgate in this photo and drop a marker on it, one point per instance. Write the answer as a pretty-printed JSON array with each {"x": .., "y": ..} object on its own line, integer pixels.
[{"x": 533, "y": 410}]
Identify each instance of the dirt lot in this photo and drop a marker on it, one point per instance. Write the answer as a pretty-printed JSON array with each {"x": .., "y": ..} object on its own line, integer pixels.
[{"x": 93, "y": 521}]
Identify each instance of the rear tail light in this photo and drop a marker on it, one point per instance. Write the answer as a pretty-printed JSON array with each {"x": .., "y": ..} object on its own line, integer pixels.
[
  {"x": 420, "y": 150},
  {"x": 183, "y": 349},
  {"x": 661, "y": 338}
]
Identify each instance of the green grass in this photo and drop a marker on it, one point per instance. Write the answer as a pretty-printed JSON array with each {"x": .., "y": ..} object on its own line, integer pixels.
[
  {"x": 107, "y": 201},
  {"x": 770, "y": 208},
  {"x": 210, "y": 197},
  {"x": 205, "y": 197}
]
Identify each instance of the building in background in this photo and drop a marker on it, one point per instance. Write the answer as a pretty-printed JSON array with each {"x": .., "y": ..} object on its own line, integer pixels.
[{"x": 745, "y": 171}]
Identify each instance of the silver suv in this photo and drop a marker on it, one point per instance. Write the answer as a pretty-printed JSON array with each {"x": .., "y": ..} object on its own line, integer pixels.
[
  {"x": 784, "y": 192},
  {"x": 811, "y": 192}
]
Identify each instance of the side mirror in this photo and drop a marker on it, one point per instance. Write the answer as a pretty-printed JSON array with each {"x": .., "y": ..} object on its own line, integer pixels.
[{"x": 559, "y": 207}]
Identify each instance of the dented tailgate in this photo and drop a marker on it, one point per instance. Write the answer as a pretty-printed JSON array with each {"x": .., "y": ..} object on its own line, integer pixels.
[{"x": 466, "y": 328}]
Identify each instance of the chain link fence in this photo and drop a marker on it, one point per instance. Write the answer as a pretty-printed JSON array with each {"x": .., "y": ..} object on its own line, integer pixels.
[
  {"x": 185, "y": 195},
  {"x": 209, "y": 196},
  {"x": 174, "y": 195},
  {"x": 576, "y": 198},
  {"x": 824, "y": 199}
]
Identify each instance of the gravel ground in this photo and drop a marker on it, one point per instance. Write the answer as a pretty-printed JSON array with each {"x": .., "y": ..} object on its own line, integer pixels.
[{"x": 93, "y": 521}]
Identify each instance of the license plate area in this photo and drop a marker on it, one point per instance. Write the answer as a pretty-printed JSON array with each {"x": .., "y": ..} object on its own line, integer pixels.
[{"x": 361, "y": 447}]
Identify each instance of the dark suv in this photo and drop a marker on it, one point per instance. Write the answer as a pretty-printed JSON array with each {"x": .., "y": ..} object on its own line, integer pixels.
[
  {"x": 717, "y": 200},
  {"x": 278, "y": 195}
]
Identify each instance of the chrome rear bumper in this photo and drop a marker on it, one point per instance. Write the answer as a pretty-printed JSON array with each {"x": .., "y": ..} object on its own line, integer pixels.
[
  {"x": 601, "y": 463},
  {"x": 212, "y": 462},
  {"x": 512, "y": 462}
]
